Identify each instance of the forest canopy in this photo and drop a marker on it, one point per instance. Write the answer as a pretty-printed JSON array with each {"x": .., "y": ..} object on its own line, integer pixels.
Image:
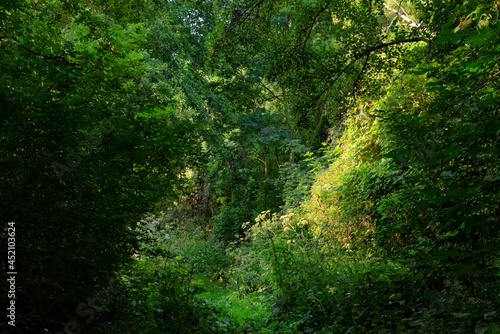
[{"x": 335, "y": 163}]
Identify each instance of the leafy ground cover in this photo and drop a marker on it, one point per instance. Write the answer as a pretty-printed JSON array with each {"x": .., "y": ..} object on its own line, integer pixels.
[
  {"x": 256, "y": 292},
  {"x": 243, "y": 308}
]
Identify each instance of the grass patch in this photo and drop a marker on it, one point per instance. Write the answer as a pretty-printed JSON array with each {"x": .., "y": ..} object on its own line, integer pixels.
[{"x": 241, "y": 307}]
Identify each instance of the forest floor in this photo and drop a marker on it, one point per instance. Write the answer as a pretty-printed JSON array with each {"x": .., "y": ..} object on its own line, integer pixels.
[{"x": 242, "y": 307}]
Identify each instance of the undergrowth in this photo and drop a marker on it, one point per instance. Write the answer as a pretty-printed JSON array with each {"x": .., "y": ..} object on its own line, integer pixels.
[{"x": 281, "y": 279}]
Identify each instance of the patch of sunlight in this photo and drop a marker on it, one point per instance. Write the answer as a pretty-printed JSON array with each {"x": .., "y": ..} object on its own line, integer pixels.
[{"x": 239, "y": 306}]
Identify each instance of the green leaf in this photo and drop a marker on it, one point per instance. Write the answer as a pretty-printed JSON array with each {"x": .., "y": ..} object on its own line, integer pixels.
[
  {"x": 422, "y": 70},
  {"x": 480, "y": 330},
  {"x": 443, "y": 39},
  {"x": 493, "y": 328},
  {"x": 478, "y": 40}
]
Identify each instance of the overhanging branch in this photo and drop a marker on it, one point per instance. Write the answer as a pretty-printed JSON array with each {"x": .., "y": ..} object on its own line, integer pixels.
[
  {"x": 411, "y": 22},
  {"x": 59, "y": 57},
  {"x": 313, "y": 23},
  {"x": 367, "y": 52}
]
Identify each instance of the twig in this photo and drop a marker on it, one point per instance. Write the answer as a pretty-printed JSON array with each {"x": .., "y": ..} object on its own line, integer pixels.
[
  {"x": 313, "y": 23},
  {"x": 404, "y": 17},
  {"x": 361, "y": 72},
  {"x": 370, "y": 50},
  {"x": 270, "y": 91},
  {"x": 60, "y": 57},
  {"x": 401, "y": 7}
]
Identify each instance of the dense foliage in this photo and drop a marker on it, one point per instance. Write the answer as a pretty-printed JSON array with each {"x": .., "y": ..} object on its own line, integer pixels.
[{"x": 317, "y": 166}]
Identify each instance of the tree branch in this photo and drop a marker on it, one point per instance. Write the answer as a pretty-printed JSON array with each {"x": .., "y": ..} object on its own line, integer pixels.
[
  {"x": 401, "y": 15},
  {"x": 60, "y": 57},
  {"x": 401, "y": 7},
  {"x": 69, "y": 9},
  {"x": 318, "y": 127},
  {"x": 399, "y": 41},
  {"x": 360, "y": 73},
  {"x": 238, "y": 19},
  {"x": 374, "y": 48},
  {"x": 272, "y": 93},
  {"x": 313, "y": 23}
]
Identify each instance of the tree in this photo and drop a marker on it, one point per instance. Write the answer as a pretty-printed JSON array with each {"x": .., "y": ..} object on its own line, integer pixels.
[
  {"x": 447, "y": 149},
  {"x": 87, "y": 147},
  {"x": 319, "y": 55}
]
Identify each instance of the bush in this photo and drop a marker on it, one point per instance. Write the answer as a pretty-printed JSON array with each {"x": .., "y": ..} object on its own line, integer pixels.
[{"x": 159, "y": 295}]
